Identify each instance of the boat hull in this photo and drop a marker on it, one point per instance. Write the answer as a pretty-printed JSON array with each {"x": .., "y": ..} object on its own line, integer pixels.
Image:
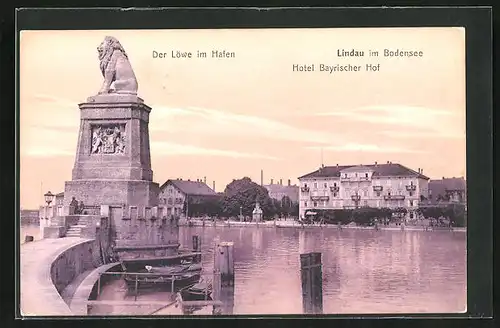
[{"x": 162, "y": 282}]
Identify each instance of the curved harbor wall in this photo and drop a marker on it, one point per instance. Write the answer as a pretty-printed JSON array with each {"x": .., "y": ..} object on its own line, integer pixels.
[
  {"x": 72, "y": 262},
  {"x": 46, "y": 271}
]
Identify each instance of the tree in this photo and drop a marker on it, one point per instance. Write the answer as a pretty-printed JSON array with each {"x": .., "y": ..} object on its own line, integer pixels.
[
  {"x": 244, "y": 193},
  {"x": 201, "y": 205}
]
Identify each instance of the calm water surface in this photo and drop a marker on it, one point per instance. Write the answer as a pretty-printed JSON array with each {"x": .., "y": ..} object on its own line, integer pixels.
[{"x": 364, "y": 271}]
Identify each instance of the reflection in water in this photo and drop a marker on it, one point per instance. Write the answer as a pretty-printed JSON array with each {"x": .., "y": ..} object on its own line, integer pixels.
[{"x": 364, "y": 271}]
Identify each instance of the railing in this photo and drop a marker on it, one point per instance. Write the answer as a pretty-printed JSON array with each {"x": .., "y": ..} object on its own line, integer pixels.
[
  {"x": 394, "y": 197},
  {"x": 320, "y": 198},
  {"x": 411, "y": 187}
]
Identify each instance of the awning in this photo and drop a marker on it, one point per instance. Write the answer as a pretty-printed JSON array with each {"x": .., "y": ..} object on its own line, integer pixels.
[{"x": 311, "y": 213}]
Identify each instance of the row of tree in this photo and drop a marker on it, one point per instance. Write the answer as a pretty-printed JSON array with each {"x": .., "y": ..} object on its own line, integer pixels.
[
  {"x": 455, "y": 214},
  {"x": 239, "y": 198}
]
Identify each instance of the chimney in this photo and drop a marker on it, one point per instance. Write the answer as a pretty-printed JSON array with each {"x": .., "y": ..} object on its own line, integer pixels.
[
  {"x": 289, "y": 182},
  {"x": 189, "y": 179},
  {"x": 337, "y": 165},
  {"x": 271, "y": 181},
  {"x": 421, "y": 171},
  {"x": 387, "y": 162},
  {"x": 281, "y": 182},
  {"x": 213, "y": 185},
  {"x": 205, "y": 180},
  {"x": 375, "y": 163},
  {"x": 261, "y": 177}
]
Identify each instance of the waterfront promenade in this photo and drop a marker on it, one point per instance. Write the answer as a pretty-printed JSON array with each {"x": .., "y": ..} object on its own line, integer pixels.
[
  {"x": 296, "y": 224},
  {"x": 39, "y": 295}
]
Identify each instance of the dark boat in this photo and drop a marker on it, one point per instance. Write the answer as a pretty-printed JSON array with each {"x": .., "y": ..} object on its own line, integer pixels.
[
  {"x": 197, "y": 292},
  {"x": 162, "y": 281},
  {"x": 176, "y": 269}
]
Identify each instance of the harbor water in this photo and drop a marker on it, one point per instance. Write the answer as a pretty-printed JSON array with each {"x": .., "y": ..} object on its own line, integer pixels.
[{"x": 364, "y": 271}]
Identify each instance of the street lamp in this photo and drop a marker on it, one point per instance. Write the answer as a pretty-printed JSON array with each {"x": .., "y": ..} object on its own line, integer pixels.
[{"x": 48, "y": 199}]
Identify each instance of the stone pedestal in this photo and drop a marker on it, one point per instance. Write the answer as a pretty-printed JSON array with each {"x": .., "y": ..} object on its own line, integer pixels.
[
  {"x": 113, "y": 162},
  {"x": 112, "y": 171}
]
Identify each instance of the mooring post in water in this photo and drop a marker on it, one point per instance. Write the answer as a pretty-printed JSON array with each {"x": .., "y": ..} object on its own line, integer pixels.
[
  {"x": 224, "y": 262},
  {"x": 216, "y": 290},
  {"x": 99, "y": 285},
  {"x": 136, "y": 287},
  {"x": 197, "y": 248},
  {"x": 312, "y": 283}
]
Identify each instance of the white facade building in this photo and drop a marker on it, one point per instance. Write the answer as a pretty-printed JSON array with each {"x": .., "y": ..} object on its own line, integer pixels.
[{"x": 349, "y": 186}]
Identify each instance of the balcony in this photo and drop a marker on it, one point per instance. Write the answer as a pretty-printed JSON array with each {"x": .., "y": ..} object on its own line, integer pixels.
[
  {"x": 394, "y": 197},
  {"x": 334, "y": 188},
  {"x": 356, "y": 198},
  {"x": 304, "y": 189},
  {"x": 320, "y": 198},
  {"x": 378, "y": 188},
  {"x": 411, "y": 187}
]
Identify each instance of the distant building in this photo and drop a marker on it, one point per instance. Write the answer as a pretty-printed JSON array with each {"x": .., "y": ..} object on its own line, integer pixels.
[
  {"x": 278, "y": 190},
  {"x": 350, "y": 186},
  {"x": 54, "y": 209},
  {"x": 173, "y": 194},
  {"x": 29, "y": 216},
  {"x": 448, "y": 189}
]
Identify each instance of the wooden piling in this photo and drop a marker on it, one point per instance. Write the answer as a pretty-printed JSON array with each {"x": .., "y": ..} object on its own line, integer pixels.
[
  {"x": 312, "y": 283},
  {"x": 136, "y": 287},
  {"x": 224, "y": 262},
  {"x": 197, "y": 248}
]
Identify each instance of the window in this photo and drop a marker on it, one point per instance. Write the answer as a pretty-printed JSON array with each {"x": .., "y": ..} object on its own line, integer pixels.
[
  {"x": 411, "y": 215},
  {"x": 365, "y": 193},
  {"x": 334, "y": 194},
  {"x": 335, "y": 184},
  {"x": 305, "y": 185},
  {"x": 378, "y": 193},
  {"x": 411, "y": 193},
  {"x": 325, "y": 185},
  {"x": 366, "y": 175},
  {"x": 366, "y": 203},
  {"x": 315, "y": 185},
  {"x": 345, "y": 175},
  {"x": 305, "y": 204},
  {"x": 388, "y": 193},
  {"x": 411, "y": 202},
  {"x": 315, "y": 204},
  {"x": 356, "y": 175}
]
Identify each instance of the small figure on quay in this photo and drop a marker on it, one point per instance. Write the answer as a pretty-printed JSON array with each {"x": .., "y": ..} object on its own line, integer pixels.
[
  {"x": 81, "y": 208},
  {"x": 115, "y": 68},
  {"x": 74, "y": 205}
]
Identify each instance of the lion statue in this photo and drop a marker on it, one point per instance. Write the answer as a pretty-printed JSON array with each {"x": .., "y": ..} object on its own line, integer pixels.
[{"x": 115, "y": 67}]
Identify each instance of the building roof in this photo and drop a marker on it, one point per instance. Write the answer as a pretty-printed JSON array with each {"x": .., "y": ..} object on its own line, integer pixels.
[
  {"x": 281, "y": 188},
  {"x": 390, "y": 169},
  {"x": 439, "y": 187},
  {"x": 195, "y": 188},
  {"x": 61, "y": 194}
]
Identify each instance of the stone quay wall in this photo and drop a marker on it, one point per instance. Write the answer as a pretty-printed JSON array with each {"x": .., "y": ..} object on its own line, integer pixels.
[
  {"x": 73, "y": 262},
  {"x": 46, "y": 267}
]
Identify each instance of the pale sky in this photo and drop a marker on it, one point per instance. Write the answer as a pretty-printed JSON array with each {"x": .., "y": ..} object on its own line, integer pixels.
[{"x": 230, "y": 118}]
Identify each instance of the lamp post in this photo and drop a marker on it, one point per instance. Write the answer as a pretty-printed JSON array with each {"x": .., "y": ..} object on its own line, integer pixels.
[{"x": 48, "y": 199}]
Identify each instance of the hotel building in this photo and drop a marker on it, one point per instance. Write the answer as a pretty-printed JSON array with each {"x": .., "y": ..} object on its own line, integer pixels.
[{"x": 350, "y": 186}]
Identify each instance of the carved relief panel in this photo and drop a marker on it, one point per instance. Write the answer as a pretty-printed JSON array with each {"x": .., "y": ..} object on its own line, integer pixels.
[{"x": 108, "y": 139}]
